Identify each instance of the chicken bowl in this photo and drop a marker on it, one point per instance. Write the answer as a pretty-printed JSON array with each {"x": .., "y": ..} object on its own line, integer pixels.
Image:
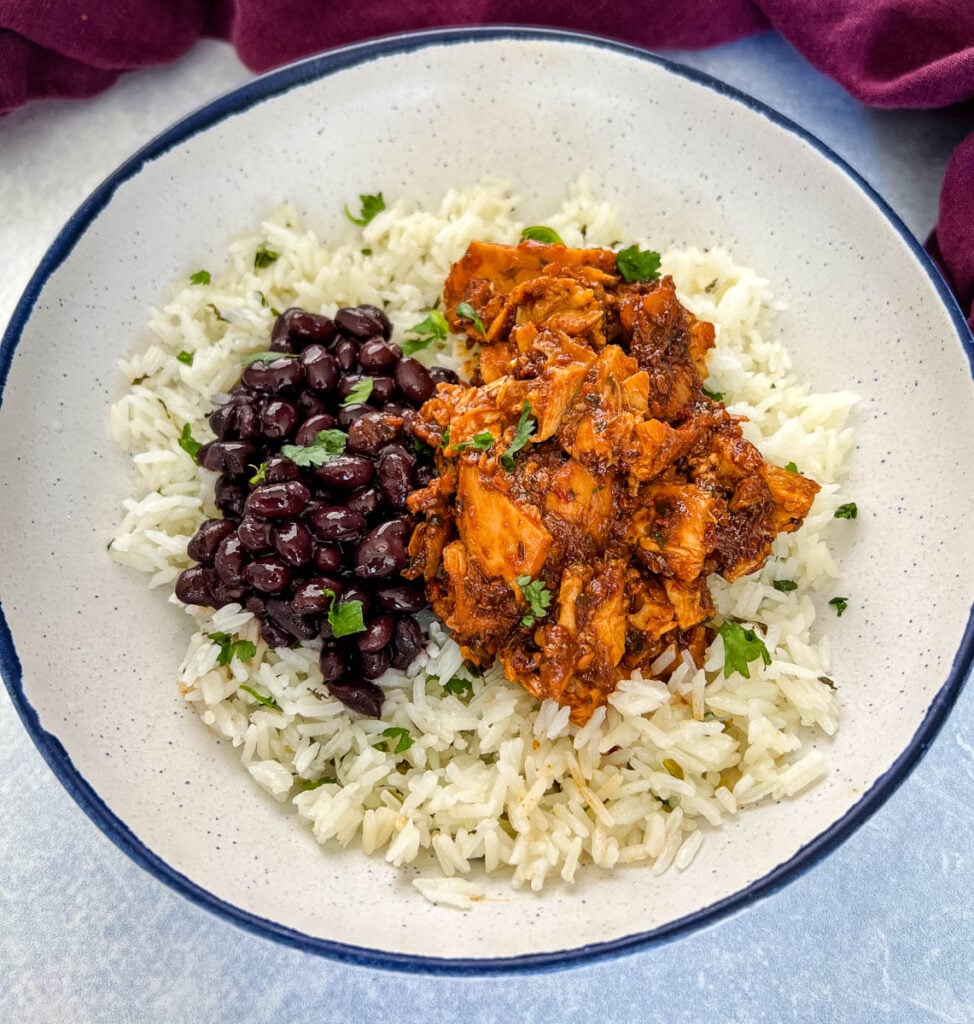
[{"x": 520, "y": 536}]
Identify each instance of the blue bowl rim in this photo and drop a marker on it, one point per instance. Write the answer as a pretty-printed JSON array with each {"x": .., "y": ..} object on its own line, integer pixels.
[{"x": 283, "y": 80}]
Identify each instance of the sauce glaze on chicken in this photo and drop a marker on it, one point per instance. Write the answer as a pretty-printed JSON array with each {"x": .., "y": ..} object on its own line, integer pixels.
[{"x": 632, "y": 489}]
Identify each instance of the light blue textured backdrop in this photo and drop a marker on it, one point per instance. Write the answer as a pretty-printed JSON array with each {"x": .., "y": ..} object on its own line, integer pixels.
[{"x": 882, "y": 930}]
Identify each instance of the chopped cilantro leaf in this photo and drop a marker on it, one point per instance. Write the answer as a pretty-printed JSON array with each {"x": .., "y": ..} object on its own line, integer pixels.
[
  {"x": 482, "y": 442},
  {"x": 360, "y": 392},
  {"x": 538, "y": 597},
  {"x": 467, "y": 311},
  {"x": 326, "y": 445},
  {"x": 268, "y": 702},
  {"x": 784, "y": 585},
  {"x": 457, "y": 686},
  {"x": 638, "y": 265},
  {"x": 525, "y": 428},
  {"x": 539, "y": 233},
  {"x": 230, "y": 648},
  {"x": 189, "y": 444},
  {"x": 308, "y": 785},
  {"x": 263, "y": 300},
  {"x": 267, "y": 357},
  {"x": 217, "y": 313},
  {"x": 741, "y": 646},
  {"x": 791, "y": 467},
  {"x": 186, "y": 357},
  {"x": 849, "y": 511},
  {"x": 445, "y": 438},
  {"x": 421, "y": 447},
  {"x": 714, "y": 396},
  {"x": 433, "y": 327},
  {"x": 200, "y": 277},
  {"x": 434, "y": 324},
  {"x": 404, "y": 740},
  {"x": 371, "y": 207},
  {"x": 839, "y": 604},
  {"x": 260, "y": 473},
  {"x": 413, "y": 345},
  {"x": 264, "y": 257},
  {"x": 344, "y": 617}
]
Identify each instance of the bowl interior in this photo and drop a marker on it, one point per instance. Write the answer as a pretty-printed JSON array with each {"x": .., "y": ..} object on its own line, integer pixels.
[{"x": 687, "y": 165}]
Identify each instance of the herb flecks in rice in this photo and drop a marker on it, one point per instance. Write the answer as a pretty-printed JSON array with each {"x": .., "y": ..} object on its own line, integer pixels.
[{"x": 492, "y": 778}]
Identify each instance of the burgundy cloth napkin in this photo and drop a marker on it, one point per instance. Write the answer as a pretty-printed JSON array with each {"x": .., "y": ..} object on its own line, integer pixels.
[{"x": 887, "y": 53}]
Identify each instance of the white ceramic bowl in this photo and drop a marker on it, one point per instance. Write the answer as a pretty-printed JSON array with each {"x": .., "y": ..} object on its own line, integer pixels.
[{"x": 89, "y": 654}]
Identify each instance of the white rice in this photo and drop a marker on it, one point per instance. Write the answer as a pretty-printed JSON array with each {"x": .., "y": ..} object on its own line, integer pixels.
[{"x": 493, "y": 780}]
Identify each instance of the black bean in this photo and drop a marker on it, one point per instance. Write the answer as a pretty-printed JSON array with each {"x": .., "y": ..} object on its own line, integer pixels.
[
  {"x": 310, "y": 597},
  {"x": 371, "y": 431},
  {"x": 414, "y": 381},
  {"x": 255, "y": 534},
  {"x": 384, "y": 322},
  {"x": 359, "y": 695},
  {"x": 332, "y": 662},
  {"x": 407, "y": 412},
  {"x": 402, "y": 598},
  {"x": 230, "y": 496},
  {"x": 256, "y": 606},
  {"x": 279, "y": 418},
  {"x": 383, "y": 551},
  {"x": 274, "y": 377},
  {"x": 383, "y": 388},
  {"x": 268, "y": 575},
  {"x": 237, "y": 419},
  {"x": 348, "y": 414},
  {"x": 304, "y": 627},
  {"x": 203, "y": 544},
  {"x": 374, "y": 663},
  {"x": 362, "y": 322},
  {"x": 311, "y": 404},
  {"x": 441, "y": 375},
  {"x": 280, "y": 469},
  {"x": 305, "y": 327},
  {"x": 346, "y": 472},
  {"x": 275, "y": 501},
  {"x": 273, "y": 635},
  {"x": 233, "y": 457},
  {"x": 223, "y": 421},
  {"x": 366, "y": 501},
  {"x": 320, "y": 368},
  {"x": 350, "y": 381},
  {"x": 378, "y": 633},
  {"x": 401, "y": 450},
  {"x": 376, "y": 355},
  {"x": 346, "y": 354},
  {"x": 311, "y": 427},
  {"x": 226, "y": 593},
  {"x": 292, "y": 541},
  {"x": 334, "y": 523},
  {"x": 280, "y": 333},
  {"x": 193, "y": 587},
  {"x": 407, "y": 643},
  {"x": 424, "y": 474},
  {"x": 328, "y": 557},
  {"x": 230, "y": 560},
  {"x": 356, "y": 593},
  {"x": 395, "y": 472}
]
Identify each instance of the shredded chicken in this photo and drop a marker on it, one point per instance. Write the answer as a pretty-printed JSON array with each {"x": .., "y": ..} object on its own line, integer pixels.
[{"x": 587, "y": 486}]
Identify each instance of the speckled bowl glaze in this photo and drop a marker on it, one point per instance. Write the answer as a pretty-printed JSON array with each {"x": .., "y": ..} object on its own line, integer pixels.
[{"x": 89, "y": 654}]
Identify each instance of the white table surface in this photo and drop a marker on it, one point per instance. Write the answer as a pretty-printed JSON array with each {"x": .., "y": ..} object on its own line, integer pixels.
[{"x": 882, "y": 930}]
